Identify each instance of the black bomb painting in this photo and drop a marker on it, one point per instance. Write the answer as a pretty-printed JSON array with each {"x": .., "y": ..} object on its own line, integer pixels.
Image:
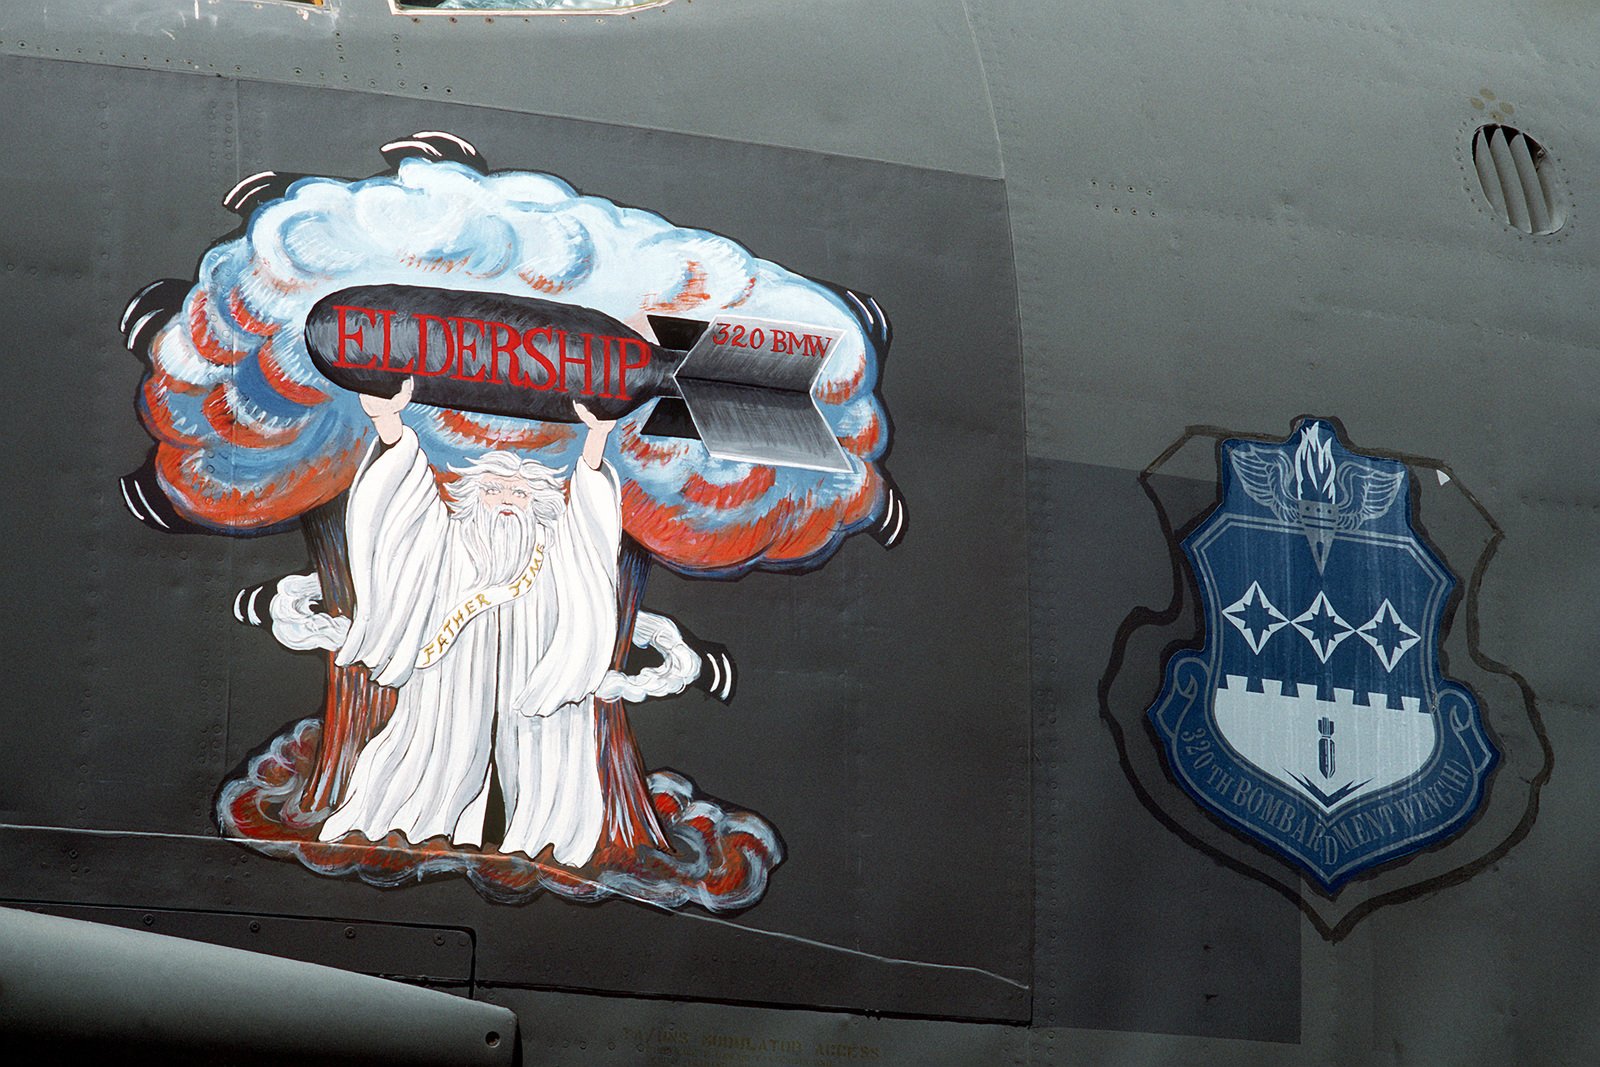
[{"x": 490, "y": 405}]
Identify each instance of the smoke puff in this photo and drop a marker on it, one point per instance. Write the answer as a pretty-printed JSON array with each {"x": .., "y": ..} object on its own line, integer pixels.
[
  {"x": 299, "y": 625},
  {"x": 722, "y": 858},
  {"x": 251, "y": 435}
]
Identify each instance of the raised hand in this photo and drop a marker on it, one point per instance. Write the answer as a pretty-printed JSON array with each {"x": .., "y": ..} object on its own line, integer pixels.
[
  {"x": 594, "y": 444},
  {"x": 590, "y": 419},
  {"x": 385, "y": 411}
]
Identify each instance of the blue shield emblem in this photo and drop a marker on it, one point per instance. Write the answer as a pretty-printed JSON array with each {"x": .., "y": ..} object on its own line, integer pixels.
[{"x": 1315, "y": 717}]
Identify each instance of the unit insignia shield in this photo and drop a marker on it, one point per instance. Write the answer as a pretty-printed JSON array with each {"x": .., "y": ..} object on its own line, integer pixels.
[{"x": 1315, "y": 714}]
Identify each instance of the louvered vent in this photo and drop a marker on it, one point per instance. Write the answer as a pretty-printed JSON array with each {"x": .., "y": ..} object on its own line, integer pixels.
[{"x": 1518, "y": 179}]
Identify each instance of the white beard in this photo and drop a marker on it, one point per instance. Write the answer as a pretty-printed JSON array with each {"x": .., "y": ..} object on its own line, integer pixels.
[{"x": 499, "y": 545}]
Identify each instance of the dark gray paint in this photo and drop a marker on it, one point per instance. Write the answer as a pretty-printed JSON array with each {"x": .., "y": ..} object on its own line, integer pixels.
[
  {"x": 1307, "y": 240},
  {"x": 868, "y": 707},
  {"x": 588, "y": 1031},
  {"x": 1136, "y": 929},
  {"x": 433, "y": 956}
]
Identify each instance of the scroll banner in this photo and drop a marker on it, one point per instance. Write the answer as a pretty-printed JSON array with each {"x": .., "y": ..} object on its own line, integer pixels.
[{"x": 433, "y": 652}]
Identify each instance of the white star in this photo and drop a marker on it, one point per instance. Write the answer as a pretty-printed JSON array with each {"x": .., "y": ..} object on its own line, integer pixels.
[
  {"x": 1320, "y": 609},
  {"x": 1407, "y": 636},
  {"x": 1238, "y": 613}
]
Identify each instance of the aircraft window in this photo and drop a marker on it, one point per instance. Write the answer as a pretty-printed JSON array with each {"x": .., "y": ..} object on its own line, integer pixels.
[
  {"x": 1518, "y": 178},
  {"x": 522, "y": 7}
]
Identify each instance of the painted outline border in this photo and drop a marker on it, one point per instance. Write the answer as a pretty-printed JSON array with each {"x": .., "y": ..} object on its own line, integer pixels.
[{"x": 1141, "y": 617}]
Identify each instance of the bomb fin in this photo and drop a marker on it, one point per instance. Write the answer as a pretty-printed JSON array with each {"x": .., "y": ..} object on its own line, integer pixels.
[
  {"x": 748, "y": 391},
  {"x": 670, "y": 419}
]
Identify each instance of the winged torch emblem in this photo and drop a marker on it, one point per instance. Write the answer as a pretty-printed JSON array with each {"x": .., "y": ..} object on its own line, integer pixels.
[{"x": 1315, "y": 491}]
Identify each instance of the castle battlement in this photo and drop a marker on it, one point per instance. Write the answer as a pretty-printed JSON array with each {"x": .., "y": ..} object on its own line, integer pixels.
[{"x": 1275, "y": 690}]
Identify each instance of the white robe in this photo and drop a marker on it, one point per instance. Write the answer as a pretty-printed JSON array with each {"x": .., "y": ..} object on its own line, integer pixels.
[{"x": 518, "y": 679}]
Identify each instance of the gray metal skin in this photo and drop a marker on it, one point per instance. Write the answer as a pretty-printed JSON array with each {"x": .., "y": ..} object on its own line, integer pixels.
[
  {"x": 1210, "y": 212},
  {"x": 69, "y": 986}
]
